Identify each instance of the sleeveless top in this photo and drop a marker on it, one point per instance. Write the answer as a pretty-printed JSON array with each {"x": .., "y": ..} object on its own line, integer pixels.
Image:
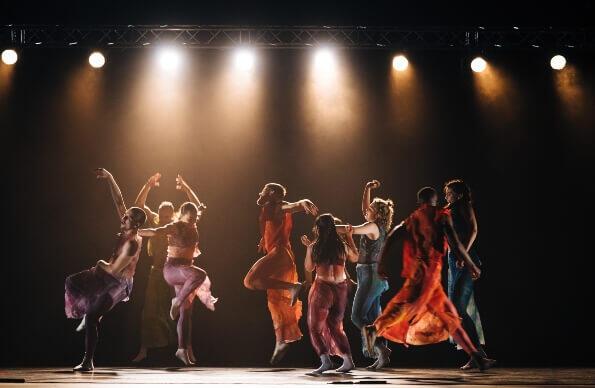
[
  {"x": 130, "y": 269},
  {"x": 183, "y": 242},
  {"x": 462, "y": 228},
  {"x": 425, "y": 238},
  {"x": 369, "y": 250},
  {"x": 275, "y": 227}
]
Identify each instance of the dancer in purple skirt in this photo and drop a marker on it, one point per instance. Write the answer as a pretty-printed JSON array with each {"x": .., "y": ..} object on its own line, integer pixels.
[{"x": 90, "y": 294}]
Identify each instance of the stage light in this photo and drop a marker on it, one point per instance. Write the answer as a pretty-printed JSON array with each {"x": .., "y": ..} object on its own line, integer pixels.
[
  {"x": 400, "y": 63},
  {"x": 324, "y": 60},
  {"x": 244, "y": 59},
  {"x": 96, "y": 60},
  {"x": 478, "y": 65},
  {"x": 169, "y": 59},
  {"x": 9, "y": 57},
  {"x": 558, "y": 62}
]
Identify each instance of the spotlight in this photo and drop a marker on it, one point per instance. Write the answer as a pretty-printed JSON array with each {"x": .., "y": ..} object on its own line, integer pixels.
[
  {"x": 9, "y": 57},
  {"x": 400, "y": 63},
  {"x": 96, "y": 60},
  {"x": 558, "y": 62},
  {"x": 324, "y": 60},
  {"x": 169, "y": 59},
  {"x": 478, "y": 64},
  {"x": 244, "y": 59}
]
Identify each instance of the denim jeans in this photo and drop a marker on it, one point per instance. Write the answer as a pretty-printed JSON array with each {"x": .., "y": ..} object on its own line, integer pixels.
[
  {"x": 460, "y": 292},
  {"x": 366, "y": 303}
]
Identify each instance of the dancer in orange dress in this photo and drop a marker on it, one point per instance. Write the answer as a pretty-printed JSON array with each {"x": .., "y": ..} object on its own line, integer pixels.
[
  {"x": 421, "y": 313},
  {"x": 276, "y": 272}
]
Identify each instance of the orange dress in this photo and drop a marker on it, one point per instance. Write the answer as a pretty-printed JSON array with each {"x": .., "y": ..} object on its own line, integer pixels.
[
  {"x": 421, "y": 313},
  {"x": 275, "y": 227}
]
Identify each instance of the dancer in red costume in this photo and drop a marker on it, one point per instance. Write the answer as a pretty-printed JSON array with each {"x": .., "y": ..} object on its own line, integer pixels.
[
  {"x": 327, "y": 299},
  {"x": 276, "y": 272},
  {"x": 421, "y": 313}
]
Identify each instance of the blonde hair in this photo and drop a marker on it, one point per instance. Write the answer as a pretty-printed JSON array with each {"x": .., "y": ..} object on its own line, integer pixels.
[{"x": 384, "y": 212}]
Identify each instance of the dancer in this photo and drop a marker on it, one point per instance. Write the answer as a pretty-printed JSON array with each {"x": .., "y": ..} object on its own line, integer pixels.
[
  {"x": 327, "y": 299},
  {"x": 276, "y": 272},
  {"x": 460, "y": 283},
  {"x": 157, "y": 329},
  {"x": 421, "y": 313},
  {"x": 90, "y": 294},
  {"x": 370, "y": 287},
  {"x": 179, "y": 272}
]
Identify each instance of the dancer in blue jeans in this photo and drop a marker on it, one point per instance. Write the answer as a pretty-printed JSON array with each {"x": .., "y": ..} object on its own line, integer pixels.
[
  {"x": 370, "y": 287},
  {"x": 460, "y": 282}
]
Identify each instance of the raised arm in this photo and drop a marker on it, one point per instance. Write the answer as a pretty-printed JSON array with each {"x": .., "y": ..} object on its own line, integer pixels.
[
  {"x": 102, "y": 173},
  {"x": 303, "y": 205},
  {"x": 395, "y": 235},
  {"x": 141, "y": 198},
  {"x": 161, "y": 231},
  {"x": 458, "y": 248},
  {"x": 367, "y": 192},
  {"x": 185, "y": 187}
]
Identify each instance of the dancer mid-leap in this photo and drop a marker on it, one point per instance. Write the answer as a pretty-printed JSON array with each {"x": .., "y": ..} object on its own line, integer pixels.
[
  {"x": 421, "y": 313},
  {"x": 327, "y": 299},
  {"x": 92, "y": 293},
  {"x": 276, "y": 272},
  {"x": 187, "y": 279}
]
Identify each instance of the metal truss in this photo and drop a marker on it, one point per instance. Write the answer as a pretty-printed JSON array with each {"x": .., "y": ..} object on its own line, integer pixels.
[{"x": 222, "y": 37}]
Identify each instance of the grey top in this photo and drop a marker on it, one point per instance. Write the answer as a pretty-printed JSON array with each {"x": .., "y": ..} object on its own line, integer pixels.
[{"x": 369, "y": 250}]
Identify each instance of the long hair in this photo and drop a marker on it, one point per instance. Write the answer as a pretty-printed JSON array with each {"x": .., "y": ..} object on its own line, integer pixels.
[
  {"x": 460, "y": 188},
  {"x": 329, "y": 247},
  {"x": 384, "y": 212}
]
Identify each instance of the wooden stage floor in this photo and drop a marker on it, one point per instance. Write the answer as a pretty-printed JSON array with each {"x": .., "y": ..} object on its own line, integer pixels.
[{"x": 288, "y": 377}]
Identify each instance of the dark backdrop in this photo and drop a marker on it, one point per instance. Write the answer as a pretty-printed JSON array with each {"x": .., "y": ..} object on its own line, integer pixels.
[{"x": 525, "y": 147}]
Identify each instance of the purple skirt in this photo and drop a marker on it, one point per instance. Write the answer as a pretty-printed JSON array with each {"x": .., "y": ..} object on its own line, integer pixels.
[{"x": 84, "y": 289}]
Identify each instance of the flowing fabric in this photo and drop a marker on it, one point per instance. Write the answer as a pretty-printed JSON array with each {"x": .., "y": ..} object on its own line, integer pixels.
[
  {"x": 280, "y": 265},
  {"x": 421, "y": 313}
]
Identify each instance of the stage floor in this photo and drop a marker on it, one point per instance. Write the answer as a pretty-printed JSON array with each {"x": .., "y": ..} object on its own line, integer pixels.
[{"x": 64, "y": 377}]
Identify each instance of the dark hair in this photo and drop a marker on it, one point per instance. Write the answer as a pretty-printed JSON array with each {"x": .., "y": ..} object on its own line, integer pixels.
[
  {"x": 460, "y": 188},
  {"x": 138, "y": 216},
  {"x": 329, "y": 247},
  {"x": 188, "y": 207},
  {"x": 278, "y": 189},
  {"x": 425, "y": 194}
]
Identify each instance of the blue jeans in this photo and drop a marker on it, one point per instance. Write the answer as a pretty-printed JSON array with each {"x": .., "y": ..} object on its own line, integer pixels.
[
  {"x": 460, "y": 292},
  {"x": 366, "y": 303}
]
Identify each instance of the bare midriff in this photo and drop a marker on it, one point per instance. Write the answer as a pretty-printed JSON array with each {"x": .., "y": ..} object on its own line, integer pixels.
[
  {"x": 331, "y": 273},
  {"x": 188, "y": 253}
]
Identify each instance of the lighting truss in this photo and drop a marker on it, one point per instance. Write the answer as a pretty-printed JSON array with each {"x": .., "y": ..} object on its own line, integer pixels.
[{"x": 296, "y": 37}]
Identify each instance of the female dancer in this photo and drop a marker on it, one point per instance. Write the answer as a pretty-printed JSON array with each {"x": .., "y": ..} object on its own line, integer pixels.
[
  {"x": 179, "y": 272},
  {"x": 90, "y": 294},
  {"x": 276, "y": 272},
  {"x": 370, "y": 287},
  {"x": 421, "y": 313},
  {"x": 460, "y": 282},
  {"x": 327, "y": 299},
  {"x": 157, "y": 329}
]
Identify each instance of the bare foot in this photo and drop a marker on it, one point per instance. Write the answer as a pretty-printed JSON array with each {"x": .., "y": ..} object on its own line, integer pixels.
[
  {"x": 142, "y": 354},
  {"x": 182, "y": 355},
  {"x": 326, "y": 364}
]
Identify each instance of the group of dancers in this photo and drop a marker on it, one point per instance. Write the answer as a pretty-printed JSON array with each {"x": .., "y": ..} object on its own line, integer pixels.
[{"x": 420, "y": 313}]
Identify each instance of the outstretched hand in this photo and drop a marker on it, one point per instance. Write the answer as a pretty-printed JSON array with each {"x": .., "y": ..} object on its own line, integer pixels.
[
  {"x": 374, "y": 184},
  {"x": 309, "y": 207},
  {"x": 154, "y": 180},
  {"x": 102, "y": 173}
]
